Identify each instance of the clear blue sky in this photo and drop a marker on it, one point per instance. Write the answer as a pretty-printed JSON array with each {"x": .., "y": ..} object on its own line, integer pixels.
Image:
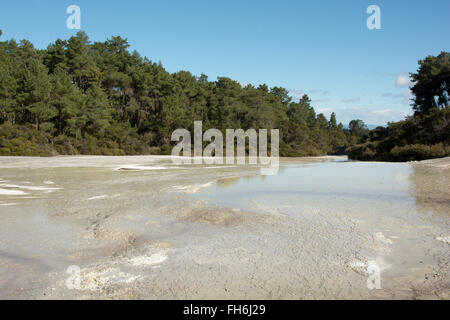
[{"x": 322, "y": 48}]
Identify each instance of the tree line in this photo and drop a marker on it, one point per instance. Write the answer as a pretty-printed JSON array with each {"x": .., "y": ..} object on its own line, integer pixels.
[{"x": 79, "y": 97}]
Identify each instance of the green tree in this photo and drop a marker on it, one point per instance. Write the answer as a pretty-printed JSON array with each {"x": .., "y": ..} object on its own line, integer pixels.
[
  {"x": 99, "y": 98},
  {"x": 431, "y": 83},
  {"x": 66, "y": 99},
  {"x": 35, "y": 92},
  {"x": 282, "y": 94},
  {"x": 98, "y": 111},
  {"x": 332, "y": 124},
  {"x": 357, "y": 128}
]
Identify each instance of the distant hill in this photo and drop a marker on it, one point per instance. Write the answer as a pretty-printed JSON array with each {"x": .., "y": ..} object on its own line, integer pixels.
[{"x": 369, "y": 126}]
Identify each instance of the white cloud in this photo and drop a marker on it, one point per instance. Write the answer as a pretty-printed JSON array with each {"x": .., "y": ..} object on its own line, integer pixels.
[
  {"x": 319, "y": 91},
  {"x": 299, "y": 93},
  {"x": 351, "y": 100},
  {"x": 326, "y": 111},
  {"x": 385, "y": 112},
  {"x": 370, "y": 116},
  {"x": 320, "y": 100},
  {"x": 402, "y": 81},
  {"x": 405, "y": 96},
  {"x": 296, "y": 94}
]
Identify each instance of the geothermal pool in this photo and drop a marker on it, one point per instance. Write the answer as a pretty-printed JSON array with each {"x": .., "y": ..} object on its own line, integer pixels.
[{"x": 142, "y": 227}]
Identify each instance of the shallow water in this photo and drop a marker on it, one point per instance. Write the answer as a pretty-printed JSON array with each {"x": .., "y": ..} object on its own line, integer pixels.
[{"x": 142, "y": 227}]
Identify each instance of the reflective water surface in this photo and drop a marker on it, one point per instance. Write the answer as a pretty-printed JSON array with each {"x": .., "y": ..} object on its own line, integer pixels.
[{"x": 142, "y": 227}]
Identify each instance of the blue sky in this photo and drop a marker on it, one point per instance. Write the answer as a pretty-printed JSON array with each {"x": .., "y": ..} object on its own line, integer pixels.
[{"x": 322, "y": 48}]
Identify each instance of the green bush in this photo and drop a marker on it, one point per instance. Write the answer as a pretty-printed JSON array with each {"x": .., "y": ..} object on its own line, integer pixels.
[
  {"x": 416, "y": 152},
  {"x": 64, "y": 145},
  {"x": 417, "y": 137},
  {"x": 24, "y": 140},
  {"x": 366, "y": 151}
]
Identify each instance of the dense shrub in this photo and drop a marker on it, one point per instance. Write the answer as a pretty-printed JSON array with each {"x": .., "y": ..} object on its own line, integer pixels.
[
  {"x": 417, "y": 137},
  {"x": 419, "y": 152},
  {"x": 24, "y": 141}
]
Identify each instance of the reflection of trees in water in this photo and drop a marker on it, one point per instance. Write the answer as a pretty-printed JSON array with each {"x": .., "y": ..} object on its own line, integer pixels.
[
  {"x": 232, "y": 180},
  {"x": 228, "y": 181},
  {"x": 431, "y": 189}
]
